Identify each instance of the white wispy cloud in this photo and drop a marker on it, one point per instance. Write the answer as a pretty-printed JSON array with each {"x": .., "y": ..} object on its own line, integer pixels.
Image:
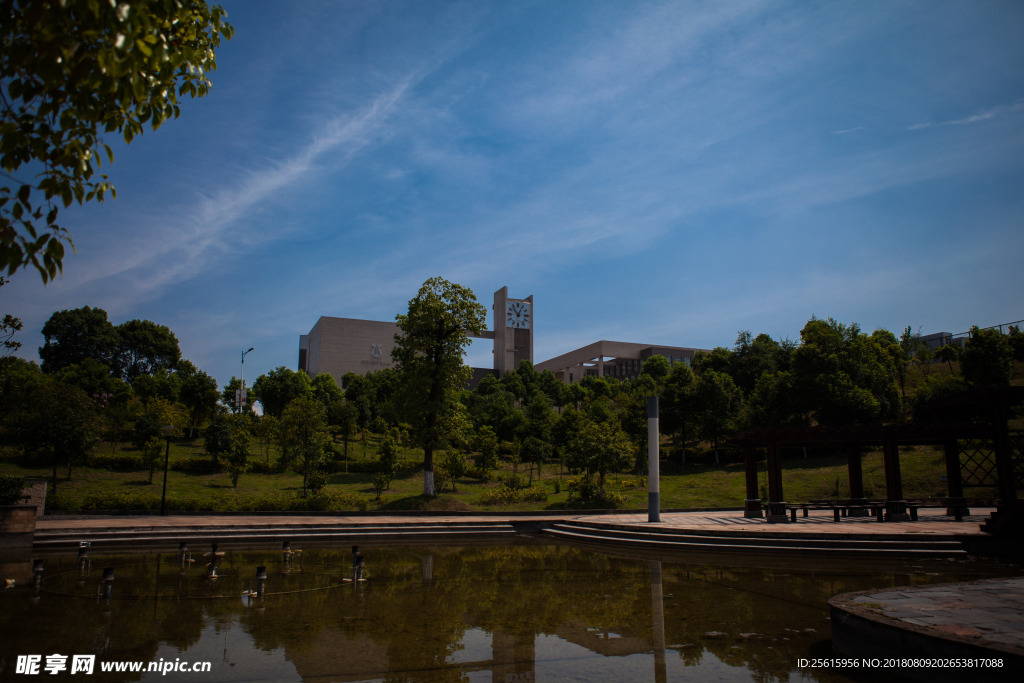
[
  {"x": 983, "y": 115},
  {"x": 848, "y": 130}
]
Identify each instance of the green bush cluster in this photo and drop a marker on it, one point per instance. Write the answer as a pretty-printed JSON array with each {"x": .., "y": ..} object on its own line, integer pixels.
[
  {"x": 506, "y": 496},
  {"x": 197, "y": 466},
  {"x": 119, "y": 462},
  {"x": 10, "y": 489},
  {"x": 585, "y": 490},
  {"x": 366, "y": 467},
  {"x": 263, "y": 467},
  {"x": 324, "y": 500}
]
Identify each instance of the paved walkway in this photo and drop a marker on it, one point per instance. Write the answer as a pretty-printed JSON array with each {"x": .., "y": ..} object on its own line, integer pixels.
[
  {"x": 931, "y": 521},
  {"x": 991, "y": 611}
]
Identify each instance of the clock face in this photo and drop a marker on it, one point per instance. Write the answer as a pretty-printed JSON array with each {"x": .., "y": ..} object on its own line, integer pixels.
[{"x": 517, "y": 314}]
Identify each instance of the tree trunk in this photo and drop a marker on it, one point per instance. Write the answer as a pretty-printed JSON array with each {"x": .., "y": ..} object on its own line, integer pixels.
[{"x": 428, "y": 471}]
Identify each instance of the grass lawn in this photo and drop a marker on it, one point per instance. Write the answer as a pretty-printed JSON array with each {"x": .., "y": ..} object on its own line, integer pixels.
[{"x": 804, "y": 479}]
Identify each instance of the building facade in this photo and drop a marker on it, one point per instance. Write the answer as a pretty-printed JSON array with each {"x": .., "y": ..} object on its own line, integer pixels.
[{"x": 343, "y": 345}]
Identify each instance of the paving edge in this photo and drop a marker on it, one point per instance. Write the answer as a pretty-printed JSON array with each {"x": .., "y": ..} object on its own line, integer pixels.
[
  {"x": 99, "y": 514},
  {"x": 859, "y": 632}
]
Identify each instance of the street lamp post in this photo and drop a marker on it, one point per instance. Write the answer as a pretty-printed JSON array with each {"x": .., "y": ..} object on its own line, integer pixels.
[
  {"x": 168, "y": 431},
  {"x": 241, "y": 391}
]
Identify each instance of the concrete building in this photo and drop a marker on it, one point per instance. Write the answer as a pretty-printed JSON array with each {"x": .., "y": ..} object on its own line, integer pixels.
[
  {"x": 342, "y": 345},
  {"x": 621, "y": 360}
]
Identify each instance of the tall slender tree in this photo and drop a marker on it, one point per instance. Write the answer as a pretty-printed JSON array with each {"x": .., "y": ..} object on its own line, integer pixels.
[{"x": 428, "y": 353}]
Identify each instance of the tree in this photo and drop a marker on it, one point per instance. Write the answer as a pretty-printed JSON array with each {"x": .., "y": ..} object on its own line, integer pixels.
[
  {"x": 69, "y": 69},
  {"x": 144, "y": 347},
  {"x": 987, "y": 358},
  {"x": 540, "y": 417},
  {"x": 566, "y": 429},
  {"x": 1016, "y": 341},
  {"x": 536, "y": 452},
  {"x": 843, "y": 376},
  {"x": 71, "y": 336},
  {"x": 267, "y": 430},
  {"x": 388, "y": 452},
  {"x": 923, "y": 357},
  {"x": 600, "y": 449},
  {"x": 677, "y": 406},
  {"x": 94, "y": 378},
  {"x": 754, "y": 356},
  {"x": 199, "y": 395},
  {"x": 429, "y": 354},
  {"x": 718, "y": 401},
  {"x": 162, "y": 384},
  {"x": 326, "y": 390},
  {"x": 238, "y": 457},
  {"x": 948, "y": 354},
  {"x": 278, "y": 388},
  {"x": 9, "y": 326},
  {"x": 453, "y": 466},
  {"x": 657, "y": 367},
  {"x": 304, "y": 426},
  {"x": 342, "y": 415},
  {"x": 486, "y": 444},
  {"x": 218, "y": 437},
  {"x": 151, "y": 452},
  {"x": 771, "y": 403},
  {"x": 227, "y": 396},
  {"x": 62, "y": 427}
]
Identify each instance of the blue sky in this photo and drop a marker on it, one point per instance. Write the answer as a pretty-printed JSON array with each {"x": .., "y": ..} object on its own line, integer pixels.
[{"x": 653, "y": 172}]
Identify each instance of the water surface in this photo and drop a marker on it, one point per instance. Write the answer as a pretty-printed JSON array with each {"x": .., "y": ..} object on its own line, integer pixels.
[{"x": 498, "y": 613}]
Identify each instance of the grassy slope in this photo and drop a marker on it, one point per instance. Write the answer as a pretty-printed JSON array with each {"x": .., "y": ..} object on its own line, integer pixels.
[{"x": 690, "y": 486}]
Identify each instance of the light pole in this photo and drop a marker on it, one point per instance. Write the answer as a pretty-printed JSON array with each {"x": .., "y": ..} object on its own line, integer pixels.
[
  {"x": 168, "y": 431},
  {"x": 241, "y": 390}
]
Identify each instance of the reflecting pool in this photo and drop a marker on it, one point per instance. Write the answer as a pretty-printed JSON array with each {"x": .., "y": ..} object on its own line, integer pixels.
[{"x": 517, "y": 612}]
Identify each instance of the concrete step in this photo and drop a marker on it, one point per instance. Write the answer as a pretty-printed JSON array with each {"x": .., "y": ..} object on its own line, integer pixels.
[
  {"x": 198, "y": 538},
  {"x": 725, "y": 541}
]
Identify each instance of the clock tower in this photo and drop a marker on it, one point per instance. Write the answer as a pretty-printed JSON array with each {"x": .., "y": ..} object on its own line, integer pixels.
[{"x": 513, "y": 331}]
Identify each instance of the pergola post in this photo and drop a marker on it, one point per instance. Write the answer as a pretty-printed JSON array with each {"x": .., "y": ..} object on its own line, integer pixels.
[
  {"x": 954, "y": 480},
  {"x": 1004, "y": 458},
  {"x": 776, "y": 505},
  {"x": 856, "y": 473},
  {"x": 895, "y": 506},
  {"x": 752, "y": 503}
]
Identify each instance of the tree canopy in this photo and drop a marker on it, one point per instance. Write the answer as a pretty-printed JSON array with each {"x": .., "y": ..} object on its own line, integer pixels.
[
  {"x": 429, "y": 355},
  {"x": 71, "y": 71}
]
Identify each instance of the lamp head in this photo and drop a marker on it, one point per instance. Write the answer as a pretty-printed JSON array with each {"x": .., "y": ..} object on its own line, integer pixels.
[{"x": 168, "y": 430}]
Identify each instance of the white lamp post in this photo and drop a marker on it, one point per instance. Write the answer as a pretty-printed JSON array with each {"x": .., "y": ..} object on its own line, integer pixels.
[{"x": 240, "y": 397}]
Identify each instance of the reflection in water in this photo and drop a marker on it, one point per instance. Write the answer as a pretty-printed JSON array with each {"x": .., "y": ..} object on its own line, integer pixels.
[
  {"x": 657, "y": 621},
  {"x": 508, "y": 613}
]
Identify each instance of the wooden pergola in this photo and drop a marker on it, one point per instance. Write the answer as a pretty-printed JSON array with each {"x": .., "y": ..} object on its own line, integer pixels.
[{"x": 995, "y": 403}]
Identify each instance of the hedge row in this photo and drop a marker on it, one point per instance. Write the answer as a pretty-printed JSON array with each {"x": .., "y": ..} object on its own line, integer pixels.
[
  {"x": 366, "y": 466},
  {"x": 506, "y": 496},
  {"x": 325, "y": 500}
]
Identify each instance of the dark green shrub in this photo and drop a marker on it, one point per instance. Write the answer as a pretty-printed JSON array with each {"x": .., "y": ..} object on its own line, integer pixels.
[
  {"x": 146, "y": 427},
  {"x": 263, "y": 467},
  {"x": 10, "y": 489},
  {"x": 197, "y": 466},
  {"x": 119, "y": 462},
  {"x": 217, "y": 437},
  {"x": 316, "y": 481}
]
